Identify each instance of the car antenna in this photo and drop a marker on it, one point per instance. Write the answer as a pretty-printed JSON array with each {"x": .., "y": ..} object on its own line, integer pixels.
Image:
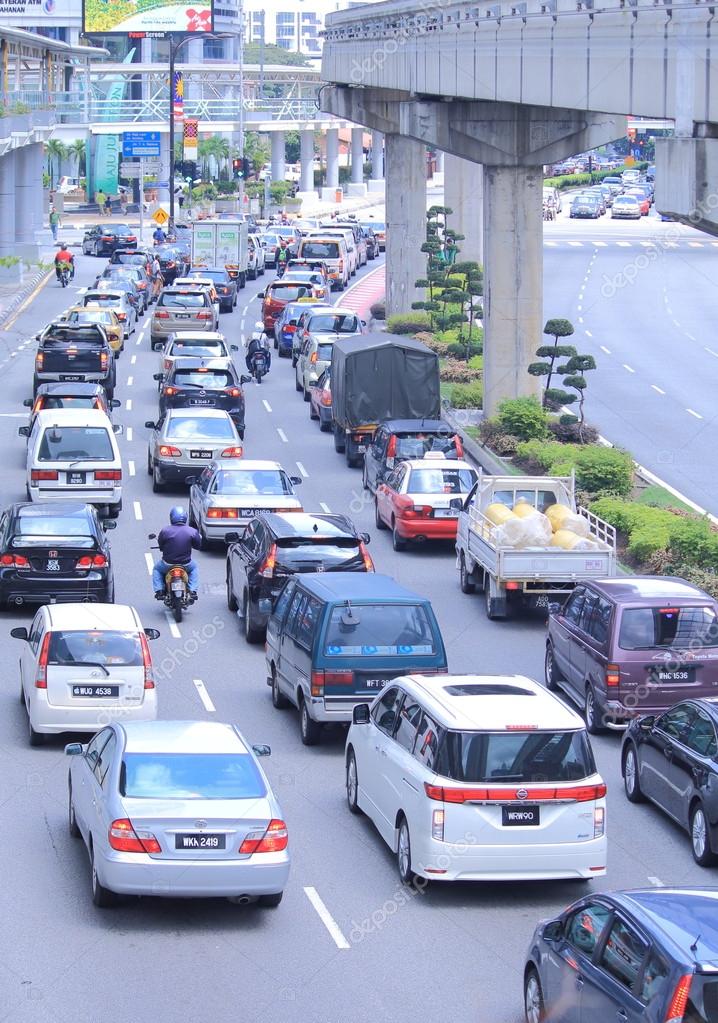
[{"x": 694, "y": 946}]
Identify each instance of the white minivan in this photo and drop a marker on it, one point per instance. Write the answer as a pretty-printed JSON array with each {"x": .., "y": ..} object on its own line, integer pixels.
[
  {"x": 478, "y": 778},
  {"x": 348, "y": 236},
  {"x": 72, "y": 454}
]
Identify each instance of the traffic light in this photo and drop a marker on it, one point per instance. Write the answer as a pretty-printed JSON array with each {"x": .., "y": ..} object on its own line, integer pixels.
[
  {"x": 246, "y": 168},
  {"x": 631, "y": 134},
  {"x": 236, "y": 168}
]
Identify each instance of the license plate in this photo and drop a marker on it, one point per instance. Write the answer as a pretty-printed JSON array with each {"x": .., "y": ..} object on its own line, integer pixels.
[
  {"x": 520, "y": 816},
  {"x": 677, "y": 675},
  {"x": 361, "y": 447},
  {"x": 182, "y": 316},
  {"x": 200, "y": 841},
  {"x": 200, "y": 454},
  {"x": 444, "y": 513},
  {"x": 201, "y": 401},
  {"x": 70, "y": 376},
  {"x": 178, "y": 587},
  {"x": 75, "y": 478},
  {"x": 53, "y": 565},
  {"x": 247, "y": 513},
  {"x": 96, "y": 692}
]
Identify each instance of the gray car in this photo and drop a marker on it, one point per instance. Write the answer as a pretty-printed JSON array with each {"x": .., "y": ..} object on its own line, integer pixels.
[
  {"x": 179, "y": 809},
  {"x": 181, "y": 308},
  {"x": 185, "y": 440}
]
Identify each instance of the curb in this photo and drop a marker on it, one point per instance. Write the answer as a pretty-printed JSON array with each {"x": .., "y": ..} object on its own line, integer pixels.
[
  {"x": 25, "y": 291},
  {"x": 485, "y": 458}
]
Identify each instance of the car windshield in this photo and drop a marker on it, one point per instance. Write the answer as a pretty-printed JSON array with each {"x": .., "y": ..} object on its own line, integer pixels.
[
  {"x": 441, "y": 481},
  {"x": 211, "y": 379},
  {"x": 320, "y": 250},
  {"x": 190, "y": 776},
  {"x": 416, "y": 445},
  {"x": 188, "y": 428},
  {"x": 643, "y": 628},
  {"x": 328, "y": 323},
  {"x": 251, "y": 483},
  {"x": 379, "y": 630},
  {"x": 103, "y": 646},
  {"x": 185, "y": 300},
  {"x": 75, "y": 443},
  {"x": 194, "y": 346},
  {"x": 520, "y": 756}
]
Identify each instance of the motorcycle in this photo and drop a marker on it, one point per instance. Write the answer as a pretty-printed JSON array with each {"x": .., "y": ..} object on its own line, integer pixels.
[
  {"x": 177, "y": 596},
  {"x": 63, "y": 274},
  {"x": 260, "y": 365}
]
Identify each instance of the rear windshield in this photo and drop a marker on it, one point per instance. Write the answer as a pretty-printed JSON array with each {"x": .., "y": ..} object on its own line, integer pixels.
[
  {"x": 35, "y": 529},
  {"x": 129, "y": 258},
  {"x": 515, "y": 756},
  {"x": 643, "y": 628},
  {"x": 103, "y": 299},
  {"x": 416, "y": 445},
  {"x": 320, "y": 250},
  {"x": 189, "y": 300},
  {"x": 75, "y": 443},
  {"x": 90, "y": 316},
  {"x": 77, "y": 334},
  {"x": 329, "y": 324},
  {"x": 379, "y": 630},
  {"x": 441, "y": 481},
  {"x": 197, "y": 347},
  {"x": 307, "y": 554},
  {"x": 54, "y": 401},
  {"x": 541, "y": 499},
  {"x": 188, "y": 428},
  {"x": 289, "y": 292},
  {"x": 98, "y": 646},
  {"x": 220, "y": 276},
  {"x": 213, "y": 379},
  {"x": 251, "y": 483},
  {"x": 190, "y": 776}
]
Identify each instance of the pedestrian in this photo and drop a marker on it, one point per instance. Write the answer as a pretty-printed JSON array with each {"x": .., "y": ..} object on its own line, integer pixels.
[
  {"x": 123, "y": 200},
  {"x": 108, "y": 206},
  {"x": 100, "y": 200},
  {"x": 157, "y": 279},
  {"x": 54, "y": 222}
]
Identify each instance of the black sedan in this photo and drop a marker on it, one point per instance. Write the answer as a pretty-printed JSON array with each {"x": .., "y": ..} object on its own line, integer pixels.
[
  {"x": 277, "y": 545},
  {"x": 67, "y": 395},
  {"x": 225, "y": 286},
  {"x": 174, "y": 262},
  {"x": 54, "y": 552},
  {"x": 204, "y": 383},
  {"x": 103, "y": 239},
  {"x": 672, "y": 760}
]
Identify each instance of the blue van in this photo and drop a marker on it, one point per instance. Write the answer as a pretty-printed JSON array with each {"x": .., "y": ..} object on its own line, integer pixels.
[{"x": 335, "y": 639}]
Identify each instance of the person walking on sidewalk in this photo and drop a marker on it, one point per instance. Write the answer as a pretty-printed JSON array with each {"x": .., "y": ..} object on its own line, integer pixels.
[
  {"x": 54, "y": 222},
  {"x": 100, "y": 200}
]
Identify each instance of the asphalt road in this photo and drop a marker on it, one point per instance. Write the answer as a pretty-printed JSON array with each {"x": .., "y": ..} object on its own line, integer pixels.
[{"x": 171, "y": 961}]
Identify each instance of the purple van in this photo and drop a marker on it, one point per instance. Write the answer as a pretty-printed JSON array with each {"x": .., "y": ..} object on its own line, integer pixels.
[{"x": 632, "y": 645}]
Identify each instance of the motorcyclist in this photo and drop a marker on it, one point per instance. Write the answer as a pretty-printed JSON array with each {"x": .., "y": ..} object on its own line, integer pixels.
[
  {"x": 282, "y": 257},
  {"x": 158, "y": 236},
  {"x": 176, "y": 542},
  {"x": 64, "y": 256},
  {"x": 258, "y": 343}
]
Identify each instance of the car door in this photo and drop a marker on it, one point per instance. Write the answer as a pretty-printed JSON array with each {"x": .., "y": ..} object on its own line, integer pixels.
[
  {"x": 691, "y": 767},
  {"x": 610, "y": 989},
  {"x": 99, "y": 817},
  {"x": 564, "y": 635},
  {"x": 29, "y": 652},
  {"x": 288, "y": 666},
  {"x": 253, "y": 550},
  {"x": 83, "y": 789},
  {"x": 274, "y": 628},
  {"x": 387, "y": 492},
  {"x": 368, "y": 745},
  {"x": 391, "y": 746},
  {"x": 569, "y": 958},
  {"x": 198, "y": 498},
  {"x": 656, "y": 754}
]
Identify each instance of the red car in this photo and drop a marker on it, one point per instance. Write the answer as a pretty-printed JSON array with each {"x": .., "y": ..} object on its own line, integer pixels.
[
  {"x": 277, "y": 295},
  {"x": 643, "y": 200},
  {"x": 320, "y": 401}
]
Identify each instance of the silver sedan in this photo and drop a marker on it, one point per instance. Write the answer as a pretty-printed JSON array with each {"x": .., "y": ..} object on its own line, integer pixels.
[
  {"x": 180, "y": 809},
  {"x": 185, "y": 440}
]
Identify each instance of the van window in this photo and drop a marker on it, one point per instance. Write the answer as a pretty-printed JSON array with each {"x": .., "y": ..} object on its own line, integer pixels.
[
  {"x": 334, "y": 323},
  {"x": 306, "y": 621},
  {"x": 427, "y": 742},
  {"x": 379, "y": 630},
  {"x": 384, "y": 713},
  {"x": 320, "y": 250},
  {"x": 645, "y": 627},
  {"x": 574, "y": 605},
  {"x": 515, "y": 756},
  {"x": 281, "y": 606},
  {"x": 68, "y": 443},
  {"x": 408, "y": 723},
  {"x": 655, "y": 978}
]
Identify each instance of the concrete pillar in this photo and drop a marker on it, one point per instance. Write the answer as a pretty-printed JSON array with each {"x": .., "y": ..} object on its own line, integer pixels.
[
  {"x": 306, "y": 150},
  {"x": 7, "y": 203},
  {"x": 163, "y": 194},
  {"x": 464, "y": 194},
  {"x": 377, "y": 156},
  {"x": 513, "y": 281},
  {"x": 357, "y": 171},
  {"x": 279, "y": 170},
  {"x": 405, "y": 221},
  {"x": 439, "y": 161},
  {"x": 332, "y": 157},
  {"x": 28, "y": 195}
]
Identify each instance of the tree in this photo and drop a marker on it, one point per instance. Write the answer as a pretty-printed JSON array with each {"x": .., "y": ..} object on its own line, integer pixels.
[
  {"x": 77, "y": 149},
  {"x": 272, "y": 55},
  {"x": 292, "y": 148},
  {"x": 256, "y": 149},
  {"x": 56, "y": 153},
  {"x": 576, "y": 366},
  {"x": 556, "y": 328}
]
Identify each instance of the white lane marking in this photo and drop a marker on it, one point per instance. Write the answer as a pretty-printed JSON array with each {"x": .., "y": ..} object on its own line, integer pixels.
[
  {"x": 302, "y": 470},
  {"x": 204, "y": 695},
  {"x": 588, "y": 333},
  {"x": 150, "y": 562},
  {"x": 601, "y": 245},
  {"x": 576, "y": 245},
  {"x": 140, "y": 336},
  {"x": 579, "y": 307},
  {"x": 128, "y": 432},
  {"x": 656, "y": 882},
  {"x": 629, "y": 369},
  {"x": 624, "y": 245},
  {"x": 711, "y": 352},
  {"x": 551, "y": 244},
  {"x": 13, "y": 415},
  {"x": 138, "y": 510},
  {"x": 282, "y": 434},
  {"x": 604, "y": 349},
  {"x": 128, "y": 404},
  {"x": 131, "y": 467},
  {"x": 133, "y": 360},
  {"x": 130, "y": 381},
  {"x": 580, "y": 319},
  {"x": 327, "y": 919},
  {"x": 695, "y": 245},
  {"x": 266, "y": 405},
  {"x": 174, "y": 631},
  {"x": 691, "y": 412},
  {"x": 658, "y": 390},
  {"x": 690, "y": 336},
  {"x": 325, "y": 508}
]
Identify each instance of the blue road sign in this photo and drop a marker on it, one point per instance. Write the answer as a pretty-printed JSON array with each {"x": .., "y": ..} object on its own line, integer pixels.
[{"x": 140, "y": 143}]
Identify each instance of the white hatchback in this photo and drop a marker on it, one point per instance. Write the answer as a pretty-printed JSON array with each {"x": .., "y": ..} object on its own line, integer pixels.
[
  {"x": 83, "y": 666},
  {"x": 72, "y": 455},
  {"x": 478, "y": 778}
]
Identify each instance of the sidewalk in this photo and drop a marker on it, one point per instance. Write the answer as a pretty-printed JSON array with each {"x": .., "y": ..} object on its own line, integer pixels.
[{"x": 13, "y": 295}]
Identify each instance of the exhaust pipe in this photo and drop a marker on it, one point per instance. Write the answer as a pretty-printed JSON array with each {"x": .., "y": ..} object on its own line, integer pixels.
[
  {"x": 242, "y": 900},
  {"x": 19, "y": 601}
]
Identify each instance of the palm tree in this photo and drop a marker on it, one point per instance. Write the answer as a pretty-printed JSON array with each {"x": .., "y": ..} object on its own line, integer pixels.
[
  {"x": 204, "y": 148},
  {"x": 57, "y": 150},
  {"x": 78, "y": 150}
]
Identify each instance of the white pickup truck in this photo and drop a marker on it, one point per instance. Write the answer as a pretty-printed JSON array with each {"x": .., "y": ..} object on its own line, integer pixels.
[{"x": 532, "y": 574}]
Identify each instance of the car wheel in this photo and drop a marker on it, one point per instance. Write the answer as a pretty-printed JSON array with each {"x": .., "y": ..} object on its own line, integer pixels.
[
  {"x": 352, "y": 780},
  {"x": 339, "y": 438},
  {"x": 36, "y": 738},
  {"x": 279, "y": 700},
  {"x": 551, "y": 673},
  {"x": 270, "y": 901},
  {"x": 251, "y": 634},
  {"x": 71, "y": 819},
  {"x": 592, "y": 713},
  {"x": 113, "y": 510},
  {"x": 403, "y": 853},
  {"x": 364, "y": 477},
  {"x": 149, "y": 464},
  {"x": 465, "y": 581},
  {"x": 533, "y": 998},
  {"x": 306, "y": 395},
  {"x": 631, "y": 779},
  {"x": 102, "y": 897},
  {"x": 157, "y": 484},
  {"x": 297, "y": 385},
  {"x": 231, "y": 598},
  {"x": 397, "y": 542},
  {"x": 700, "y": 838},
  {"x": 378, "y": 520},
  {"x": 310, "y": 730}
]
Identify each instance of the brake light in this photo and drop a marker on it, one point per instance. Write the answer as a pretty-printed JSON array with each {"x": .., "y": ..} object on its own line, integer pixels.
[
  {"x": 88, "y": 561},
  {"x": 103, "y": 360},
  {"x": 341, "y": 263},
  {"x": 122, "y": 317},
  {"x": 177, "y": 573},
  {"x": 313, "y": 357},
  {"x": 512, "y": 585},
  {"x": 14, "y": 561},
  {"x": 170, "y": 264},
  {"x": 233, "y": 392},
  {"x": 107, "y": 238},
  {"x": 123, "y": 837},
  {"x": 317, "y": 683},
  {"x": 170, "y": 391},
  {"x": 274, "y": 839},
  {"x": 459, "y": 447},
  {"x": 161, "y": 314},
  {"x": 204, "y": 316},
  {"x": 366, "y": 557},
  {"x": 108, "y": 474},
  {"x": 41, "y": 674},
  {"x": 233, "y": 452},
  {"x": 43, "y": 474},
  {"x": 574, "y": 794},
  {"x": 222, "y": 513},
  {"x": 147, "y": 663},
  {"x": 267, "y": 569},
  {"x": 39, "y": 359},
  {"x": 167, "y": 451},
  {"x": 290, "y": 328},
  {"x": 613, "y": 675},
  {"x": 142, "y": 285},
  {"x": 325, "y": 399},
  {"x": 679, "y": 1001}
]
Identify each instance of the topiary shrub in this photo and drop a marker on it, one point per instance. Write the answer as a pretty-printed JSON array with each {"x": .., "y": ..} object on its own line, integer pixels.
[
  {"x": 459, "y": 349},
  {"x": 408, "y": 323},
  {"x": 467, "y": 395},
  {"x": 524, "y": 418},
  {"x": 452, "y": 372},
  {"x": 568, "y": 432},
  {"x": 601, "y": 470}
]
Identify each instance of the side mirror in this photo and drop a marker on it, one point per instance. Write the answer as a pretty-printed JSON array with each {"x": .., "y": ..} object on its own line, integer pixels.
[
  {"x": 365, "y": 537},
  {"x": 262, "y": 750},
  {"x": 456, "y": 503},
  {"x": 118, "y": 429},
  {"x": 152, "y": 633},
  {"x": 244, "y": 379},
  {"x": 152, "y": 536},
  {"x": 19, "y": 633},
  {"x": 28, "y": 402},
  {"x": 109, "y": 524},
  {"x": 360, "y": 714},
  {"x": 150, "y": 425},
  {"x": 234, "y": 348},
  {"x": 295, "y": 480},
  {"x": 264, "y": 605},
  {"x": 74, "y": 749},
  {"x": 158, "y": 376},
  {"x": 191, "y": 480},
  {"x": 363, "y": 323},
  {"x": 114, "y": 403},
  {"x": 553, "y": 931},
  {"x": 647, "y": 723},
  {"x": 231, "y": 537},
  {"x": 554, "y": 607},
  {"x": 24, "y": 431}
]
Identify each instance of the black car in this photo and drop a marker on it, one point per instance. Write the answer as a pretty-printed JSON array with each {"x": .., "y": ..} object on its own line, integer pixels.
[
  {"x": 280, "y": 544},
  {"x": 225, "y": 286},
  {"x": 74, "y": 353},
  {"x": 54, "y": 551},
  {"x": 131, "y": 257},
  {"x": 103, "y": 239},
  {"x": 204, "y": 383},
  {"x": 67, "y": 396},
  {"x": 644, "y": 956},
  {"x": 672, "y": 760},
  {"x": 174, "y": 262},
  {"x": 372, "y": 242},
  {"x": 397, "y": 440}
]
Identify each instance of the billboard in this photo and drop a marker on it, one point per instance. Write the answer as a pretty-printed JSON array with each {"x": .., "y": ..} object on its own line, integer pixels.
[{"x": 99, "y": 17}]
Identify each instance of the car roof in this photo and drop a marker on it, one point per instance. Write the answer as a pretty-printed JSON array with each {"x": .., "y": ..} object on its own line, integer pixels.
[
  {"x": 75, "y": 388},
  {"x": 198, "y": 335},
  {"x": 122, "y": 617},
  {"x": 684, "y": 916},
  {"x": 250, "y": 464},
  {"x": 358, "y": 586},
  {"x": 197, "y": 413},
  {"x": 73, "y": 417},
  {"x": 492, "y": 702},
  {"x": 441, "y": 463},
  {"x": 305, "y": 524},
  {"x": 182, "y": 737},
  {"x": 417, "y": 426},
  {"x": 631, "y": 588},
  {"x": 339, "y": 311}
]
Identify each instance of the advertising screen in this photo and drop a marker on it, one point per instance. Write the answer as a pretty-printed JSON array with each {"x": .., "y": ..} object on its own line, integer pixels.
[{"x": 118, "y": 17}]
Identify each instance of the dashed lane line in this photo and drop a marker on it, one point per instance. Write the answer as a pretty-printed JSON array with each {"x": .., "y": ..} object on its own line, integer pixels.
[
  {"x": 128, "y": 404},
  {"x": 282, "y": 435},
  {"x": 325, "y": 508},
  {"x": 131, "y": 467},
  {"x": 266, "y": 405},
  {"x": 692, "y": 412},
  {"x": 138, "y": 510},
  {"x": 150, "y": 562},
  {"x": 133, "y": 360},
  {"x": 128, "y": 433},
  {"x": 130, "y": 381},
  {"x": 327, "y": 919},
  {"x": 302, "y": 470},
  {"x": 628, "y": 369},
  {"x": 204, "y": 695},
  {"x": 174, "y": 631},
  {"x": 657, "y": 389},
  {"x": 606, "y": 351}
]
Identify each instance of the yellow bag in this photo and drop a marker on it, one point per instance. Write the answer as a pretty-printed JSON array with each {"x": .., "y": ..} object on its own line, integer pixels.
[
  {"x": 498, "y": 513},
  {"x": 523, "y": 509}
]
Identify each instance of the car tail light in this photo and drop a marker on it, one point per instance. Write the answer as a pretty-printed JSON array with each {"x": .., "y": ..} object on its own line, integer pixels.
[
  {"x": 107, "y": 238},
  {"x": 90, "y": 561},
  {"x": 326, "y": 399},
  {"x": 408, "y": 510},
  {"x": 290, "y": 328},
  {"x": 43, "y": 474},
  {"x": 39, "y": 360},
  {"x": 41, "y": 671},
  {"x": 341, "y": 263},
  {"x": 512, "y": 585},
  {"x": 130, "y": 238},
  {"x": 575, "y": 794},
  {"x": 391, "y": 452},
  {"x": 222, "y": 513},
  {"x": 204, "y": 316},
  {"x": 613, "y": 675},
  {"x": 14, "y": 561},
  {"x": 122, "y": 317},
  {"x": 437, "y": 825},
  {"x": 108, "y": 474},
  {"x": 366, "y": 557},
  {"x": 317, "y": 683},
  {"x": 313, "y": 357},
  {"x": 274, "y": 839},
  {"x": 169, "y": 391},
  {"x": 679, "y": 1001},
  {"x": 599, "y": 821},
  {"x": 142, "y": 285},
  {"x": 170, "y": 263},
  {"x": 124, "y": 838},
  {"x": 161, "y": 314},
  {"x": 270, "y": 562},
  {"x": 103, "y": 360},
  {"x": 167, "y": 451},
  {"x": 233, "y": 392},
  {"x": 149, "y": 682}
]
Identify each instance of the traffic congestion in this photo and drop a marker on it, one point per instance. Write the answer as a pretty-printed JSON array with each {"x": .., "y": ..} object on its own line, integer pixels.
[{"x": 241, "y": 563}]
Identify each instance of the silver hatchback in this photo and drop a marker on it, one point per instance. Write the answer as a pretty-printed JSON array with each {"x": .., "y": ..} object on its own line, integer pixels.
[
  {"x": 185, "y": 440},
  {"x": 179, "y": 809}
]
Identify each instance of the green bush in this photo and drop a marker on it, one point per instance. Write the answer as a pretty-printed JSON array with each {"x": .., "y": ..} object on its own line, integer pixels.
[
  {"x": 524, "y": 418},
  {"x": 595, "y": 177},
  {"x": 453, "y": 372},
  {"x": 467, "y": 395},
  {"x": 452, "y": 334},
  {"x": 457, "y": 349},
  {"x": 647, "y": 540},
  {"x": 599, "y": 470},
  {"x": 407, "y": 323},
  {"x": 670, "y": 542},
  {"x": 694, "y": 542}
]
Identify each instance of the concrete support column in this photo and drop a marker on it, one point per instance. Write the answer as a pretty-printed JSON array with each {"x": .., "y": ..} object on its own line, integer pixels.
[
  {"x": 306, "y": 152},
  {"x": 405, "y": 221},
  {"x": 28, "y": 196},
  {"x": 513, "y": 281},
  {"x": 7, "y": 203},
  {"x": 464, "y": 194},
  {"x": 332, "y": 138},
  {"x": 37, "y": 166},
  {"x": 279, "y": 170},
  {"x": 439, "y": 161},
  {"x": 357, "y": 171},
  {"x": 377, "y": 156}
]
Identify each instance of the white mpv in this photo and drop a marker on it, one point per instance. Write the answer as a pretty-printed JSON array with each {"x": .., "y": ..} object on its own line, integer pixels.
[{"x": 478, "y": 778}]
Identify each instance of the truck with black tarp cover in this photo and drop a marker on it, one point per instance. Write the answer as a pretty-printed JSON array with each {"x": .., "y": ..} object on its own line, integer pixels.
[{"x": 376, "y": 377}]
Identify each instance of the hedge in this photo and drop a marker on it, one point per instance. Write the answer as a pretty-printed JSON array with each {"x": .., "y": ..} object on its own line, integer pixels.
[
  {"x": 594, "y": 178},
  {"x": 687, "y": 540},
  {"x": 467, "y": 395},
  {"x": 599, "y": 470},
  {"x": 408, "y": 323},
  {"x": 524, "y": 418}
]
